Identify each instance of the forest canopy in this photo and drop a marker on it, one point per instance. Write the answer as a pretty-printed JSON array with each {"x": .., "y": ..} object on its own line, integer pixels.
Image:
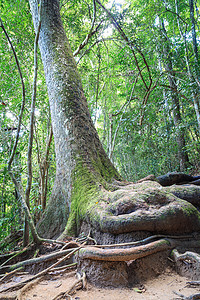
[{"x": 140, "y": 70}]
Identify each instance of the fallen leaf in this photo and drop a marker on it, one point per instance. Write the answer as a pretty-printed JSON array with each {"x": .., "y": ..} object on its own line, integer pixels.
[
  {"x": 139, "y": 290},
  {"x": 58, "y": 285}
]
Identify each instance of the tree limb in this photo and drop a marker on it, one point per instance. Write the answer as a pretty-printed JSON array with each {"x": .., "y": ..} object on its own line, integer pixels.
[
  {"x": 91, "y": 32},
  {"x": 131, "y": 46},
  {"x": 42, "y": 273}
]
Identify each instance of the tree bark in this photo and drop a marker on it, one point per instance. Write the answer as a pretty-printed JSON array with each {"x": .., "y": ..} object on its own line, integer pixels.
[
  {"x": 193, "y": 76},
  {"x": 194, "y": 39},
  {"x": 182, "y": 154},
  {"x": 80, "y": 157},
  {"x": 87, "y": 186}
]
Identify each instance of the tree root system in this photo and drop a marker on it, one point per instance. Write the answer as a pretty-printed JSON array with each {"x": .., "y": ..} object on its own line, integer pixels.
[
  {"x": 187, "y": 264},
  {"x": 42, "y": 273},
  {"x": 79, "y": 283}
]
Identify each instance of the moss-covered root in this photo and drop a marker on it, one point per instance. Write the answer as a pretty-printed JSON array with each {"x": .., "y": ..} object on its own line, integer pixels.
[
  {"x": 185, "y": 256},
  {"x": 127, "y": 254},
  {"x": 187, "y": 264},
  {"x": 143, "y": 207}
]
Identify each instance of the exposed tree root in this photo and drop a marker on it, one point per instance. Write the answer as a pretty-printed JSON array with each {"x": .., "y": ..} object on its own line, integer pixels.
[
  {"x": 173, "y": 178},
  {"x": 42, "y": 273},
  {"x": 94, "y": 253},
  {"x": 187, "y": 264},
  {"x": 11, "y": 238},
  {"x": 192, "y": 297},
  {"x": 187, "y": 256},
  {"x": 177, "y": 178},
  {"x": 146, "y": 206},
  {"x": 75, "y": 285},
  {"x": 26, "y": 287},
  {"x": 8, "y": 275},
  {"x": 38, "y": 260},
  {"x": 13, "y": 255},
  {"x": 144, "y": 241},
  {"x": 193, "y": 283},
  {"x": 126, "y": 254}
]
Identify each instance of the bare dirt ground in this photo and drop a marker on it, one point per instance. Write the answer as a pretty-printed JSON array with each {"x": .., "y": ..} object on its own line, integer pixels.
[{"x": 162, "y": 288}]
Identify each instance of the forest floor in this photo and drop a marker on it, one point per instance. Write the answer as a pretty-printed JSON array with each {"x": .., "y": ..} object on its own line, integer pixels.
[{"x": 163, "y": 287}]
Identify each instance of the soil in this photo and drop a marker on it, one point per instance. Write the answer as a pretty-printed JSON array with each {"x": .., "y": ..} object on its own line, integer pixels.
[
  {"x": 148, "y": 278},
  {"x": 161, "y": 287}
]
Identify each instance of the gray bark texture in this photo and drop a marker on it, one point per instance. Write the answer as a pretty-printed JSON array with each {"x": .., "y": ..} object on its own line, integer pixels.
[
  {"x": 88, "y": 190},
  {"x": 182, "y": 154},
  {"x": 76, "y": 139}
]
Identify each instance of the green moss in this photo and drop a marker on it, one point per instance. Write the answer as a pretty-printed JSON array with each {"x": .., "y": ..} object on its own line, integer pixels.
[
  {"x": 85, "y": 194},
  {"x": 105, "y": 169},
  {"x": 189, "y": 209}
]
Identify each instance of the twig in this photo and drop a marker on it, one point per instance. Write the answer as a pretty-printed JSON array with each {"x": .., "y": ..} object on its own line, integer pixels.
[
  {"x": 158, "y": 236},
  {"x": 64, "y": 267},
  {"x": 14, "y": 255},
  {"x": 69, "y": 244},
  {"x": 42, "y": 273},
  {"x": 37, "y": 260},
  {"x": 71, "y": 289},
  {"x": 192, "y": 283},
  {"x": 8, "y": 275},
  {"x": 192, "y": 297},
  {"x": 23, "y": 96},
  {"x": 27, "y": 286}
]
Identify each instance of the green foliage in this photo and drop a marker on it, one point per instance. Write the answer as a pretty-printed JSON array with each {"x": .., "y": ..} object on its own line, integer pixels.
[
  {"x": 17, "y": 21},
  {"x": 138, "y": 133}
]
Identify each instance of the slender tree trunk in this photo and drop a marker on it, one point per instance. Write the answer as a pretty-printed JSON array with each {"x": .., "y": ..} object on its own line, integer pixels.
[
  {"x": 3, "y": 203},
  {"x": 80, "y": 157},
  {"x": 194, "y": 39},
  {"x": 193, "y": 76},
  {"x": 182, "y": 154}
]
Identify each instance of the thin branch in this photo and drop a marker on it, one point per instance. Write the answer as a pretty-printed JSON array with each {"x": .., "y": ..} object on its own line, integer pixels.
[
  {"x": 131, "y": 46},
  {"x": 124, "y": 107},
  {"x": 71, "y": 289},
  {"x": 30, "y": 143},
  {"x": 96, "y": 42},
  {"x": 42, "y": 273},
  {"x": 91, "y": 32},
  {"x": 10, "y": 274},
  {"x": 23, "y": 97},
  {"x": 146, "y": 97},
  {"x": 16, "y": 183},
  {"x": 176, "y": 14},
  {"x": 176, "y": 91}
]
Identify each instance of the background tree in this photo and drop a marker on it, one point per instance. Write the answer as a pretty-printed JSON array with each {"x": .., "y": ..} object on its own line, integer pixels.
[{"x": 135, "y": 124}]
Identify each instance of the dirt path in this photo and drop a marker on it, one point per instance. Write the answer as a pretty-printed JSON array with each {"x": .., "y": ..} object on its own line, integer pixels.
[{"x": 161, "y": 288}]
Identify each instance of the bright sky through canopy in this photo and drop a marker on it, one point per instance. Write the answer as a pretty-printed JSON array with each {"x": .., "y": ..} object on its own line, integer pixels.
[{"x": 117, "y": 2}]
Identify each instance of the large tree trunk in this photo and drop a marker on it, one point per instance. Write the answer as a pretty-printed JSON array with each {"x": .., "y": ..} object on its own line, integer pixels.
[
  {"x": 77, "y": 146},
  {"x": 84, "y": 189}
]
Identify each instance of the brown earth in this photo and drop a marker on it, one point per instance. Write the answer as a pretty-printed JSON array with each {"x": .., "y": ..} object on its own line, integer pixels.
[{"x": 161, "y": 287}]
